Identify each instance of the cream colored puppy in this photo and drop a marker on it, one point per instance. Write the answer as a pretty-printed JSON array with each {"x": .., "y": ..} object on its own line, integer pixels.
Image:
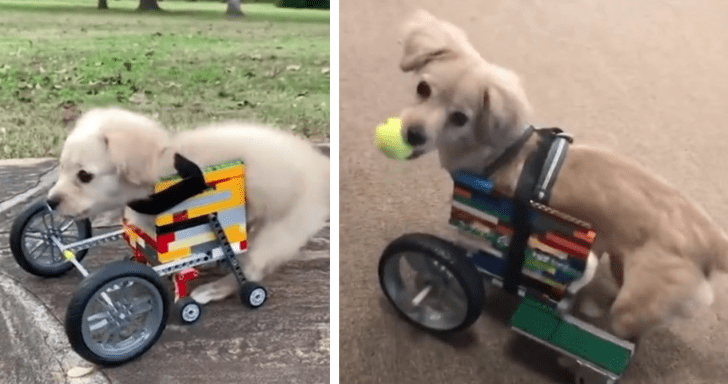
[
  {"x": 663, "y": 248},
  {"x": 113, "y": 157}
]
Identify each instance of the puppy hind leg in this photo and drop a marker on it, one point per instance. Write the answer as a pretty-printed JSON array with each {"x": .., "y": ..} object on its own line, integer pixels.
[
  {"x": 655, "y": 291},
  {"x": 217, "y": 290}
]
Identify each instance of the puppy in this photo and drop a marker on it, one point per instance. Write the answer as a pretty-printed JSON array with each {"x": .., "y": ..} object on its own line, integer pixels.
[
  {"x": 663, "y": 248},
  {"x": 113, "y": 157}
]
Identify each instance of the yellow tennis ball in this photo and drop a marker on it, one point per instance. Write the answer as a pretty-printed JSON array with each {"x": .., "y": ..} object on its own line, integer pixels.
[
  {"x": 68, "y": 254},
  {"x": 390, "y": 141}
]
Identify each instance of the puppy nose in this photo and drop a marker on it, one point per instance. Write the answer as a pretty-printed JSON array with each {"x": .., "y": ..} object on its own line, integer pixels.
[
  {"x": 416, "y": 135},
  {"x": 53, "y": 201}
]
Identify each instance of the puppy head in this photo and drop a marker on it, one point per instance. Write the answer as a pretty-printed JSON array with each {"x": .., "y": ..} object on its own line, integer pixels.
[
  {"x": 109, "y": 159},
  {"x": 463, "y": 102}
]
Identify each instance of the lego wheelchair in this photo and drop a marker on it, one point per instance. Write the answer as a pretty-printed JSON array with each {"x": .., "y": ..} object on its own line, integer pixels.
[
  {"x": 119, "y": 311},
  {"x": 440, "y": 286}
]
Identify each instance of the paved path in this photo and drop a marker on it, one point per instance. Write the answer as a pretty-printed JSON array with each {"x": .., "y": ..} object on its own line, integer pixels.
[
  {"x": 286, "y": 340},
  {"x": 648, "y": 79}
]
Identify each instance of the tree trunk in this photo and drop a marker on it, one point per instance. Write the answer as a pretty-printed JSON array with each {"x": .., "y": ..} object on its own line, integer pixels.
[
  {"x": 233, "y": 8},
  {"x": 148, "y": 5},
  {"x": 103, "y": 5}
]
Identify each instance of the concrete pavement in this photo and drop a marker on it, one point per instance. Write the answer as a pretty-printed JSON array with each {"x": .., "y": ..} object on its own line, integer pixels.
[{"x": 286, "y": 340}]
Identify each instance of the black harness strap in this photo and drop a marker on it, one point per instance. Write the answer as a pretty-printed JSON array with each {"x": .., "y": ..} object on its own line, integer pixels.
[
  {"x": 192, "y": 183},
  {"x": 509, "y": 153},
  {"x": 537, "y": 178}
]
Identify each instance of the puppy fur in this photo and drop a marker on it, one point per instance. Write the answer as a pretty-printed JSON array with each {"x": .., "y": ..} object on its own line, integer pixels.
[
  {"x": 287, "y": 180},
  {"x": 662, "y": 247}
]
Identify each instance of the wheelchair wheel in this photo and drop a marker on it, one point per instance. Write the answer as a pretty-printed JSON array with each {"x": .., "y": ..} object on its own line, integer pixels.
[
  {"x": 32, "y": 247},
  {"x": 253, "y": 295},
  {"x": 431, "y": 282},
  {"x": 117, "y": 313}
]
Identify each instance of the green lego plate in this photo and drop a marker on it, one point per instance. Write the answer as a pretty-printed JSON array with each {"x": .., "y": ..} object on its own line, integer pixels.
[{"x": 570, "y": 335}]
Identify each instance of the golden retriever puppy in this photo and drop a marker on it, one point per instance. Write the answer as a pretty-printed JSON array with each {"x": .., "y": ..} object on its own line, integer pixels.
[
  {"x": 113, "y": 157},
  {"x": 108, "y": 159},
  {"x": 663, "y": 248}
]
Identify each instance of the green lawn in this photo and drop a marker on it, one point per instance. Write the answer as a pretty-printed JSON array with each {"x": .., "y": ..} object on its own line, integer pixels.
[{"x": 186, "y": 66}]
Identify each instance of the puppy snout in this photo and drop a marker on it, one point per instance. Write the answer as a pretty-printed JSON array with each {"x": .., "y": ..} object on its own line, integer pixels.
[
  {"x": 416, "y": 135},
  {"x": 53, "y": 201}
]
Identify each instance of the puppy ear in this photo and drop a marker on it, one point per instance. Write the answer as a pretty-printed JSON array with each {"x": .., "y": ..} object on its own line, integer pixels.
[
  {"x": 135, "y": 155},
  {"x": 498, "y": 116},
  {"x": 427, "y": 38}
]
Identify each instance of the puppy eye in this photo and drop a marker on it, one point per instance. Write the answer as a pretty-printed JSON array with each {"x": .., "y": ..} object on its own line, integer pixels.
[
  {"x": 458, "y": 119},
  {"x": 423, "y": 89},
  {"x": 84, "y": 176}
]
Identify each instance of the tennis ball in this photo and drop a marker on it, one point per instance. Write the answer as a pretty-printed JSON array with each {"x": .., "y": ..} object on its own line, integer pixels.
[{"x": 390, "y": 141}]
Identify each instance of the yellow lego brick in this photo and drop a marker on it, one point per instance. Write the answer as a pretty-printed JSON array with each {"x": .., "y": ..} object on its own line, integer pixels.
[
  {"x": 192, "y": 240},
  {"x": 534, "y": 243},
  {"x": 174, "y": 254},
  {"x": 210, "y": 176}
]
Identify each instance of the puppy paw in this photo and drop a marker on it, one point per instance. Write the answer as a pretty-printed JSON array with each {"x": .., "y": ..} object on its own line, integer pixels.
[
  {"x": 214, "y": 291},
  {"x": 566, "y": 362},
  {"x": 589, "y": 308}
]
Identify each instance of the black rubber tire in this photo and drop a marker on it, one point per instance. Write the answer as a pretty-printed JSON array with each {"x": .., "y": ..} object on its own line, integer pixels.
[
  {"x": 253, "y": 295},
  {"x": 447, "y": 255},
  {"x": 188, "y": 311},
  {"x": 87, "y": 289},
  {"x": 18, "y": 249}
]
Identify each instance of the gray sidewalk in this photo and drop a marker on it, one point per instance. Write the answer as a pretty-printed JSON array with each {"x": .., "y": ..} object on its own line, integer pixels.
[{"x": 286, "y": 340}]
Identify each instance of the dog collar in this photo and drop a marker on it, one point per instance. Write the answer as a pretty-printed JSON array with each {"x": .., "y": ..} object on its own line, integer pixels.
[{"x": 509, "y": 153}]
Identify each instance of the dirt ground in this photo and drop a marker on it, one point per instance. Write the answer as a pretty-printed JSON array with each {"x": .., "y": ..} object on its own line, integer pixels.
[{"x": 647, "y": 79}]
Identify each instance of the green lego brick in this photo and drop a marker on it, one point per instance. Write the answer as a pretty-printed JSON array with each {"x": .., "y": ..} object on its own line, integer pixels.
[
  {"x": 535, "y": 318},
  {"x": 591, "y": 347},
  {"x": 541, "y": 321},
  {"x": 207, "y": 169}
]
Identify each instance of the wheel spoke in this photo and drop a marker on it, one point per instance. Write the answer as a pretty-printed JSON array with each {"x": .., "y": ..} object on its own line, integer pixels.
[
  {"x": 141, "y": 306},
  {"x": 41, "y": 252},
  {"x": 421, "y": 296},
  {"x": 37, "y": 235},
  {"x": 98, "y": 321},
  {"x": 67, "y": 225},
  {"x": 45, "y": 218},
  {"x": 37, "y": 244}
]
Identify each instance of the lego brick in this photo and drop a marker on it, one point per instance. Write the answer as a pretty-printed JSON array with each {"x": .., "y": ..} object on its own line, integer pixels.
[
  {"x": 557, "y": 249},
  {"x": 234, "y": 168},
  {"x": 535, "y": 319},
  {"x": 192, "y": 205},
  {"x": 591, "y": 347},
  {"x": 185, "y": 229},
  {"x": 473, "y": 182},
  {"x": 233, "y": 196},
  {"x": 235, "y": 215}
]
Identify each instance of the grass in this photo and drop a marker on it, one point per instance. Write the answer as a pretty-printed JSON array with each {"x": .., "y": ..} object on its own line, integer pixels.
[{"x": 186, "y": 66}]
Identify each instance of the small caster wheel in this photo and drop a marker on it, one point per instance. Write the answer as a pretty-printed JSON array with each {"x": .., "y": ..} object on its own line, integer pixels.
[
  {"x": 252, "y": 294},
  {"x": 189, "y": 310}
]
